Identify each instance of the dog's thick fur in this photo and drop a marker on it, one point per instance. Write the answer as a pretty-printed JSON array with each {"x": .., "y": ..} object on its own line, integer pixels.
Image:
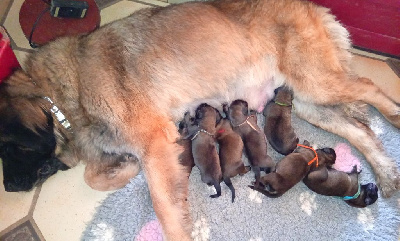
[
  {"x": 278, "y": 122},
  {"x": 124, "y": 86}
]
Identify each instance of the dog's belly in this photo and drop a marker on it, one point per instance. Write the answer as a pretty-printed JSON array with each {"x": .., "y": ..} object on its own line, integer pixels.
[{"x": 255, "y": 85}]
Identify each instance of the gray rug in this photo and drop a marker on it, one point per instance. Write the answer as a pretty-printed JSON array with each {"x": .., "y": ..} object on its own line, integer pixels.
[{"x": 298, "y": 215}]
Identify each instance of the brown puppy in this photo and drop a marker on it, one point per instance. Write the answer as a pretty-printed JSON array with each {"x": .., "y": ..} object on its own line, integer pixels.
[
  {"x": 253, "y": 138},
  {"x": 230, "y": 153},
  {"x": 293, "y": 168},
  {"x": 204, "y": 147},
  {"x": 124, "y": 87},
  {"x": 327, "y": 181},
  {"x": 186, "y": 157},
  {"x": 278, "y": 122}
]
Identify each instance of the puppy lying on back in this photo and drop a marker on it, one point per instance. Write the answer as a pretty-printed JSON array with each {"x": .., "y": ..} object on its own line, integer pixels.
[
  {"x": 293, "y": 168},
  {"x": 186, "y": 157},
  {"x": 253, "y": 138},
  {"x": 331, "y": 182},
  {"x": 278, "y": 122},
  {"x": 204, "y": 148},
  {"x": 230, "y": 153}
]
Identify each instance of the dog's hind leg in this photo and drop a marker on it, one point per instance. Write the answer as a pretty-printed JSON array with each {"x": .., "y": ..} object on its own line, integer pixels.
[
  {"x": 228, "y": 182},
  {"x": 334, "y": 119},
  {"x": 168, "y": 185},
  {"x": 340, "y": 88}
]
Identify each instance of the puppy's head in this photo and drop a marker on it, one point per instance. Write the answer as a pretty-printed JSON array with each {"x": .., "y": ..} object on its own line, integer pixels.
[
  {"x": 208, "y": 115},
  {"x": 326, "y": 156},
  {"x": 27, "y": 143},
  {"x": 283, "y": 95},
  {"x": 368, "y": 196},
  {"x": 238, "y": 110},
  {"x": 370, "y": 193}
]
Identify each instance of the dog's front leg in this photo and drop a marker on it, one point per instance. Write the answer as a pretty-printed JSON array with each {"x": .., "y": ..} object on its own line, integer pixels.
[
  {"x": 168, "y": 186},
  {"x": 335, "y": 120}
]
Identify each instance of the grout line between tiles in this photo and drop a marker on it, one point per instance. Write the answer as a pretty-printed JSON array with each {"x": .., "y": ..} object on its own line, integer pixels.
[
  {"x": 109, "y": 4},
  {"x": 3, "y": 19},
  {"x": 37, "y": 229},
  {"x": 14, "y": 225},
  {"x": 34, "y": 201},
  {"x": 146, "y": 3}
]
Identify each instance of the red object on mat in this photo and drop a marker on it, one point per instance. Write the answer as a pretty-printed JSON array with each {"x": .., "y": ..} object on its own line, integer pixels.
[
  {"x": 8, "y": 61},
  {"x": 49, "y": 28}
]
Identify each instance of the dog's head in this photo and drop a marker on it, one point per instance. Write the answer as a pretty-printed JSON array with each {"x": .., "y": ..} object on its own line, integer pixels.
[{"x": 27, "y": 142}]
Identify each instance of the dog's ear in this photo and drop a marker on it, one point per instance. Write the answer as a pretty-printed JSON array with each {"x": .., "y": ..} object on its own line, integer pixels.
[
  {"x": 306, "y": 143},
  {"x": 20, "y": 84}
]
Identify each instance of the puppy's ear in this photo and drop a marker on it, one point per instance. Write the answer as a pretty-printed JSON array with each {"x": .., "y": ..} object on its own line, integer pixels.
[
  {"x": 225, "y": 108},
  {"x": 199, "y": 114},
  {"x": 186, "y": 117},
  {"x": 219, "y": 117},
  {"x": 306, "y": 143},
  {"x": 245, "y": 108}
]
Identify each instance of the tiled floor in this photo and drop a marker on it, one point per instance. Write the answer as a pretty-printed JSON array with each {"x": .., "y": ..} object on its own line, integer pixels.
[{"x": 61, "y": 207}]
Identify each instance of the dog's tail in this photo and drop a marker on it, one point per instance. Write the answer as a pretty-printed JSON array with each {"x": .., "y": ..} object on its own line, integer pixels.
[
  {"x": 217, "y": 188},
  {"x": 228, "y": 182},
  {"x": 266, "y": 192}
]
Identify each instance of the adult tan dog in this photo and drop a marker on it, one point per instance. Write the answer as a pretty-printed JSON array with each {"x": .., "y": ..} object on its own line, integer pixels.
[{"x": 123, "y": 87}]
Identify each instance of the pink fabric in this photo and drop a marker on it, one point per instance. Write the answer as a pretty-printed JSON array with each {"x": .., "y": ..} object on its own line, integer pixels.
[
  {"x": 345, "y": 160},
  {"x": 150, "y": 232}
]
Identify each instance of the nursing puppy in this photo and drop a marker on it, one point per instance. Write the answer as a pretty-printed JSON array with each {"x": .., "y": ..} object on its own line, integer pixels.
[
  {"x": 204, "y": 147},
  {"x": 278, "y": 122},
  {"x": 330, "y": 182},
  {"x": 293, "y": 168},
  {"x": 255, "y": 144},
  {"x": 230, "y": 153},
  {"x": 124, "y": 87},
  {"x": 186, "y": 157}
]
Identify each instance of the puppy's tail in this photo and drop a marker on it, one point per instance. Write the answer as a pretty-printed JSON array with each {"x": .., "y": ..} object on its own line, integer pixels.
[
  {"x": 266, "y": 192},
  {"x": 217, "y": 188},
  {"x": 228, "y": 182}
]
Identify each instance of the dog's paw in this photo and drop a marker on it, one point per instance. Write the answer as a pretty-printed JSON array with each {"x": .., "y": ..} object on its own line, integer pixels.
[
  {"x": 395, "y": 118},
  {"x": 389, "y": 184}
]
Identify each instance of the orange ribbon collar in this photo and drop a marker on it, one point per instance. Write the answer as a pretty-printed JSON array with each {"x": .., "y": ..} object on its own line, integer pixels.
[{"x": 316, "y": 155}]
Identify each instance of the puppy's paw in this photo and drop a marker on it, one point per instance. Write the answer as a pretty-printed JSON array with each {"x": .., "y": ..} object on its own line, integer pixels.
[{"x": 215, "y": 195}]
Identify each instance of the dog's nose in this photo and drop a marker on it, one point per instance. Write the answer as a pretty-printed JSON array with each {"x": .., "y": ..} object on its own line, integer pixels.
[{"x": 11, "y": 187}]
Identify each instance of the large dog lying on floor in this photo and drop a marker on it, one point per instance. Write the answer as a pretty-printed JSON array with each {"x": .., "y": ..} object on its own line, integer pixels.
[{"x": 123, "y": 87}]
